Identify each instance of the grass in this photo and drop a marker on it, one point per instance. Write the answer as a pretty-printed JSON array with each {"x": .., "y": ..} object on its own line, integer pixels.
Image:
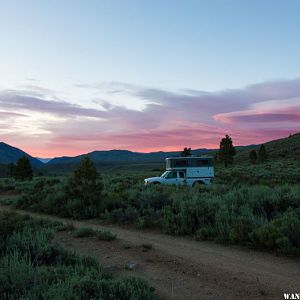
[
  {"x": 84, "y": 232},
  {"x": 103, "y": 235},
  {"x": 31, "y": 267},
  {"x": 9, "y": 199},
  {"x": 69, "y": 226}
]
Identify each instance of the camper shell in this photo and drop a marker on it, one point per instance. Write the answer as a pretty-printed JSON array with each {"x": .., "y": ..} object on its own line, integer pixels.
[{"x": 186, "y": 170}]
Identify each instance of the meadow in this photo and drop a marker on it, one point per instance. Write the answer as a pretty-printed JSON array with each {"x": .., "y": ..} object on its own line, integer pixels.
[{"x": 252, "y": 205}]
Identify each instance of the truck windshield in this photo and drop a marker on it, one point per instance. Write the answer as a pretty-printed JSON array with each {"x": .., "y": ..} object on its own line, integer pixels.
[{"x": 164, "y": 174}]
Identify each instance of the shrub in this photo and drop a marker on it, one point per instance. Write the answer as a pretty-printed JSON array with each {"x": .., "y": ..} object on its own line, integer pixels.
[
  {"x": 84, "y": 190},
  {"x": 282, "y": 233},
  {"x": 105, "y": 235},
  {"x": 84, "y": 232},
  {"x": 205, "y": 233}
]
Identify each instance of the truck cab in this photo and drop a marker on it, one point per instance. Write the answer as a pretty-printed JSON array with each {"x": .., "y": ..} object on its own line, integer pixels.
[{"x": 185, "y": 170}]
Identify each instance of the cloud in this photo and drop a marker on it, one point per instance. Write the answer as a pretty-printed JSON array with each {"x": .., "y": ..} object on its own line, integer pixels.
[
  {"x": 7, "y": 114},
  {"x": 168, "y": 120},
  {"x": 258, "y": 118},
  {"x": 16, "y": 100},
  {"x": 272, "y": 111}
]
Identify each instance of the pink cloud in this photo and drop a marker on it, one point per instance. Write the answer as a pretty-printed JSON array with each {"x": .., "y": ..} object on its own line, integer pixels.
[
  {"x": 257, "y": 118},
  {"x": 170, "y": 121},
  {"x": 272, "y": 111}
]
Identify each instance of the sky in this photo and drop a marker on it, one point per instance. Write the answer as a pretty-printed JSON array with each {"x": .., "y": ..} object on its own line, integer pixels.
[{"x": 141, "y": 75}]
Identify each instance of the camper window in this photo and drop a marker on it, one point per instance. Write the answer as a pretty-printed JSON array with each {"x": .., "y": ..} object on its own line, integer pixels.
[
  {"x": 180, "y": 163},
  {"x": 203, "y": 163}
]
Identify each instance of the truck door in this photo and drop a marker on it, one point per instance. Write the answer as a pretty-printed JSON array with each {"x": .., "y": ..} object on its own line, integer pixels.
[{"x": 171, "y": 178}]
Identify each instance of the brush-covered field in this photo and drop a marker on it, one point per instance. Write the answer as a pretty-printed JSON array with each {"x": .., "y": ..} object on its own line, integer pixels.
[
  {"x": 256, "y": 206},
  {"x": 33, "y": 267}
]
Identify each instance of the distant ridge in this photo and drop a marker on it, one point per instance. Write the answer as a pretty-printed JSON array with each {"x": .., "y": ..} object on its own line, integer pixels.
[
  {"x": 10, "y": 154},
  {"x": 123, "y": 156}
]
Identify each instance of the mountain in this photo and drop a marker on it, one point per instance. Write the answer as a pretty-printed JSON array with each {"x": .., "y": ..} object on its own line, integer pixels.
[
  {"x": 10, "y": 154},
  {"x": 118, "y": 160},
  {"x": 115, "y": 160},
  {"x": 122, "y": 156}
]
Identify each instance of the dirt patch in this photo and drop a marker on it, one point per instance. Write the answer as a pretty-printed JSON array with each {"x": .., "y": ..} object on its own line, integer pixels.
[
  {"x": 181, "y": 268},
  {"x": 174, "y": 277}
]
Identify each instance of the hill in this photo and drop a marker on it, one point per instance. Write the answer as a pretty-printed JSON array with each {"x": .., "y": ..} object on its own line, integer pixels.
[
  {"x": 10, "y": 154},
  {"x": 282, "y": 149}
]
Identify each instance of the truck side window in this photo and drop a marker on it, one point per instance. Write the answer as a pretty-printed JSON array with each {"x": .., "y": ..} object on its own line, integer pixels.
[
  {"x": 172, "y": 175},
  {"x": 181, "y": 174}
]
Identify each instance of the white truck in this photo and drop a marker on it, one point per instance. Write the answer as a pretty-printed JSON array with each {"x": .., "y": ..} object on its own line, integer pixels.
[{"x": 186, "y": 170}]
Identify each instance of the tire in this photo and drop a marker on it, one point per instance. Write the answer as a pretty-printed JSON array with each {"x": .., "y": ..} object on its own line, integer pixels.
[{"x": 198, "y": 184}]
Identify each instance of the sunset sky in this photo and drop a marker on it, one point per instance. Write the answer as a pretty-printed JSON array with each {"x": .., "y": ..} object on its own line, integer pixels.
[{"x": 78, "y": 76}]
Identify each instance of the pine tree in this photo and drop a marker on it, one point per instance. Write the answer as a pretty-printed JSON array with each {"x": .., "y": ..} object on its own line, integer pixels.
[
  {"x": 11, "y": 169},
  {"x": 227, "y": 151},
  {"x": 186, "y": 152},
  {"x": 23, "y": 169},
  {"x": 262, "y": 153},
  {"x": 253, "y": 156},
  {"x": 84, "y": 189}
]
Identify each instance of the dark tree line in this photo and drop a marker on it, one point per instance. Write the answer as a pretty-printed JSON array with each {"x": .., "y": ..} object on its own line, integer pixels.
[
  {"x": 227, "y": 151},
  {"x": 186, "y": 152},
  {"x": 22, "y": 170},
  {"x": 261, "y": 156}
]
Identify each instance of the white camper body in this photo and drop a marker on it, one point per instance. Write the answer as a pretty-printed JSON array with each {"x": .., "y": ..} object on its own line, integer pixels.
[{"x": 186, "y": 170}]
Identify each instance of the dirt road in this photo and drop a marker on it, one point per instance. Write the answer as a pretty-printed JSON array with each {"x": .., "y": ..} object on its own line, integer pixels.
[{"x": 181, "y": 268}]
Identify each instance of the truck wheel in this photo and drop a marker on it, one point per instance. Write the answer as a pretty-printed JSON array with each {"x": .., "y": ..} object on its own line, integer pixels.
[{"x": 198, "y": 184}]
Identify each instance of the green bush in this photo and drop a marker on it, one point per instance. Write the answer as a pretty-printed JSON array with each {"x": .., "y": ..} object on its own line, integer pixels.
[
  {"x": 105, "y": 235},
  {"x": 282, "y": 233},
  {"x": 83, "y": 190},
  {"x": 84, "y": 232}
]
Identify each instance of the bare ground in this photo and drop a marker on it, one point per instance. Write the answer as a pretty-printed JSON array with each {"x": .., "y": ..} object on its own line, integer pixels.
[{"x": 181, "y": 268}]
